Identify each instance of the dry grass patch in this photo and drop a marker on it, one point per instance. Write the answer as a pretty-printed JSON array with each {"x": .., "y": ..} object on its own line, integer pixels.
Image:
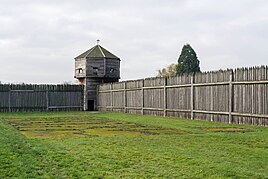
[
  {"x": 77, "y": 127},
  {"x": 228, "y": 129}
]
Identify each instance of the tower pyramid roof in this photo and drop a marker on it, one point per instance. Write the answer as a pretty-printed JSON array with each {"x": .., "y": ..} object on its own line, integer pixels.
[{"x": 97, "y": 52}]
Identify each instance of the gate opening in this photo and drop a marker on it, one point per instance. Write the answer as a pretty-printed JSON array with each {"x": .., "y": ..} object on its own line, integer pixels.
[{"x": 90, "y": 105}]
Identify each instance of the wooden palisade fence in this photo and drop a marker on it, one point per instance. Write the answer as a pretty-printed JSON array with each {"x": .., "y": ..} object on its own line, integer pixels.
[
  {"x": 234, "y": 96},
  {"x": 27, "y": 97}
]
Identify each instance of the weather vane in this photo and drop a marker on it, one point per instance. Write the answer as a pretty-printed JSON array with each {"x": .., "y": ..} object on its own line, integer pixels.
[{"x": 98, "y": 41}]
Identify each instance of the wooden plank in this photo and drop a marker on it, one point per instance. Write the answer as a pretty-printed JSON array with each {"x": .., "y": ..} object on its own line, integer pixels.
[
  {"x": 111, "y": 97},
  {"x": 60, "y": 107},
  {"x": 125, "y": 97},
  {"x": 165, "y": 97},
  {"x": 211, "y": 112},
  {"x": 192, "y": 97},
  {"x": 9, "y": 101},
  {"x": 250, "y": 115},
  {"x": 22, "y": 90},
  {"x": 153, "y": 109},
  {"x": 178, "y": 110},
  {"x": 97, "y": 98},
  {"x": 211, "y": 101},
  {"x": 47, "y": 99},
  {"x": 230, "y": 96},
  {"x": 250, "y": 82},
  {"x": 142, "y": 98},
  {"x": 138, "y": 108}
]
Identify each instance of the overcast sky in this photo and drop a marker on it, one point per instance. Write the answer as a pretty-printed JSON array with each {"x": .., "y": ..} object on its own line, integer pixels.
[{"x": 40, "y": 38}]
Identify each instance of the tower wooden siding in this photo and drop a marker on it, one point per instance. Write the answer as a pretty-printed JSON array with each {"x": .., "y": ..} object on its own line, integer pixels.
[
  {"x": 112, "y": 68},
  {"x": 95, "y": 68},
  {"x": 103, "y": 68},
  {"x": 80, "y": 68}
]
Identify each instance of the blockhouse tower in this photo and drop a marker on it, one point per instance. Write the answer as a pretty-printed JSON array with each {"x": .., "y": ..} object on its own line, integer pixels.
[{"x": 93, "y": 67}]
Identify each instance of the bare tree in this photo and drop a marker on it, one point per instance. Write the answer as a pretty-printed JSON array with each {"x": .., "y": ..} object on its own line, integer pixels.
[{"x": 168, "y": 71}]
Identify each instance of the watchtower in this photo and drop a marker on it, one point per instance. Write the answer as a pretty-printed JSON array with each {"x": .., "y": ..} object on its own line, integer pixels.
[{"x": 93, "y": 67}]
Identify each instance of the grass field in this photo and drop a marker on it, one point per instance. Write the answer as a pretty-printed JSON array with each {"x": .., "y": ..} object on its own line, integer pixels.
[{"x": 113, "y": 145}]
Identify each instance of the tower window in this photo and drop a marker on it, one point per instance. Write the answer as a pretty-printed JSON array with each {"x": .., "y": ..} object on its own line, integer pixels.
[
  {"x": 95, "y": 70},
  {"x": 80, "y": 70},
  {"x": 112, "y": 70}
]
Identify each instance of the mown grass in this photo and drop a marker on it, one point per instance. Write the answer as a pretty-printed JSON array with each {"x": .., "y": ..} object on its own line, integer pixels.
[{"x": 160, "y": 148}]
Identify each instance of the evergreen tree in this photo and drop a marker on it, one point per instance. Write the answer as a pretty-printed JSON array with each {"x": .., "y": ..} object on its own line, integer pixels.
[{"x": 187, "y": 62}]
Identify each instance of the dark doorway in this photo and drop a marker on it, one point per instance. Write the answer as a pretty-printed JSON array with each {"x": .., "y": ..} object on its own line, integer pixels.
[{"x": 90, "y": 105}]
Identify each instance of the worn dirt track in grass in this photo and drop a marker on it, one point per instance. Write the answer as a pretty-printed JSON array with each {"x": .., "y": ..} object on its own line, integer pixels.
[{"x": 90, "y": 127}]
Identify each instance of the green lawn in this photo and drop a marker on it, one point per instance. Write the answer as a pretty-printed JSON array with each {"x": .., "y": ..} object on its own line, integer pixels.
[{"x": 113, "y": 145}]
